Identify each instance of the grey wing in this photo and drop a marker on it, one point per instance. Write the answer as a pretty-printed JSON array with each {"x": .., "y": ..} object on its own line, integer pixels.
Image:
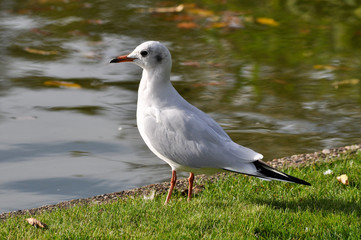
[{"x": 191, "y": 138}]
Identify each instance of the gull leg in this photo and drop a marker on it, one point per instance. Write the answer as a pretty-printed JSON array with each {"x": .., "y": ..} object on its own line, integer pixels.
[
  {"x": 172, "y": 184},
  {"x": 190, "y": 188}
]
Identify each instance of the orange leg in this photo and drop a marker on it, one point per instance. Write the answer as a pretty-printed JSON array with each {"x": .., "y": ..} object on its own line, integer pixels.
[
  {"x": 190, "y": 188},
  {"x": 172, "y": 184}
]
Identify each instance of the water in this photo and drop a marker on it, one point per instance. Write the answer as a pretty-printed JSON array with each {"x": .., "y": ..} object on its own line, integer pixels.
[{"x": 283, "y": 87}]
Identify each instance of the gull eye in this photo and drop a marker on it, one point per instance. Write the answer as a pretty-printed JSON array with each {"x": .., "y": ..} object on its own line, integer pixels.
[{"x": 144, "y": 53}]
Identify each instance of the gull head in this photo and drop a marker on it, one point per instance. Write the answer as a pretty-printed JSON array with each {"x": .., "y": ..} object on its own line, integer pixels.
[{"x": 151, "y": 55}]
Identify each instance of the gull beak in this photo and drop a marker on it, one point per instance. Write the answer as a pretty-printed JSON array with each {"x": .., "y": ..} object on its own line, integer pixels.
[{"x": 124, "y": 58}]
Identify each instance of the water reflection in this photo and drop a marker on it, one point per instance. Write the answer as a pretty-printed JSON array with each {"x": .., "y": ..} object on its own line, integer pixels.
[{"x": 280, "y": 89}]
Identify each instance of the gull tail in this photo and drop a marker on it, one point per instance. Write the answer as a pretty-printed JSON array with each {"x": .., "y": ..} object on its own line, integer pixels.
[{"x": 267, "y": 172}]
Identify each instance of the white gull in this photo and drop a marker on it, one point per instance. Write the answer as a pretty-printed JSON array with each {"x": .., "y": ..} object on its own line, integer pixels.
[{"x": 181, "y": 134}]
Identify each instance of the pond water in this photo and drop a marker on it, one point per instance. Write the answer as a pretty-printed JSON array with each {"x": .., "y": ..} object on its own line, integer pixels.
[{"x": 281, "y": 77}]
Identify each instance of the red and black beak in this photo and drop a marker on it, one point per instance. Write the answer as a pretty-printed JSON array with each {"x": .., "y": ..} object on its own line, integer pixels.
[{"x": 124, "y": 58}]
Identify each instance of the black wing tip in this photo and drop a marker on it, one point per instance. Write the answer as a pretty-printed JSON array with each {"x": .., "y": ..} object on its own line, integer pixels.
[
  {"x": 299, "y": 181},
  {"x": 272, "y": 173}
]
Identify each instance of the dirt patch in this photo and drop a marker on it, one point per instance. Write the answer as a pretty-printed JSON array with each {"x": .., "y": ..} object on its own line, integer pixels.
[{"x": 182, "y": 184}]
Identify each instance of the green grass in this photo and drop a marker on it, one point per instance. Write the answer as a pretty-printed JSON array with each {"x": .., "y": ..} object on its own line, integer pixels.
[{"x": 235, "y": 207}]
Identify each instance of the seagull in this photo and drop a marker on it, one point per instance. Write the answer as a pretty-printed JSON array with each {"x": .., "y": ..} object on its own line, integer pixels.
[{"x": 182, "y": 135}]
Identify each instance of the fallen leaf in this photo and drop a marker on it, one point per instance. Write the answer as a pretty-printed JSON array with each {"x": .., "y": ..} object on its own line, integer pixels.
[
  {"x": 324, "y": 67},
  {"x": 176, "y": 9},
  {"x": 62, "y": 84},
  {"x": 330, "y": 67},
  {"x": 267, "y": 21},
  {"x": 343, "y": 179},
  {"x": 219, "y": 25},
  {"x": 40, "y": 52},
  {"x": 187, "y": 25},
  {"x": 227, "y": 21},
  {"x": 352, "y": 81},
  {"x": 36, "y": 223},
  {"x": 199, "y": 11},
  {"x": 191, "y": 63}
]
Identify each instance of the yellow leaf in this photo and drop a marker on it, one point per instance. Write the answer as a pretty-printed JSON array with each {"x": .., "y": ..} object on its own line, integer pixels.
[
  {"x": 40, "y": 52},
  {"x": 219, "y": 25},
  {"x": 267, "y": 21},
  {"x": 343, "y": 179},
  {"x": 36, "y": 223},
  {"x": 324, "y": 67},
  {"x": 62, "y": 84},
  {"x": 200, "y": 12},
  {"x": 330, "y": 67},
  {"x": 352, "y": 81}
]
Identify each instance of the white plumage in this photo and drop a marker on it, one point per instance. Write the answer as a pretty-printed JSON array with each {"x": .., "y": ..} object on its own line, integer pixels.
[{"x": 181, "y": 134}]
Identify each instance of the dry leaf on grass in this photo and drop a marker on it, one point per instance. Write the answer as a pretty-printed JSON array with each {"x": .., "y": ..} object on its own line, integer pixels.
[
  {"x": 36, "y": 223},
  {"x": 343, "y": 179}
]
